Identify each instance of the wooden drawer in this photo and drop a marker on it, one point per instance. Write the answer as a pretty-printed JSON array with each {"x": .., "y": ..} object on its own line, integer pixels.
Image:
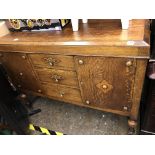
[
  {"x": 52, "y": 61},
  {"x": 62, "y": 93},
  {"x": 56, "y": 76}
]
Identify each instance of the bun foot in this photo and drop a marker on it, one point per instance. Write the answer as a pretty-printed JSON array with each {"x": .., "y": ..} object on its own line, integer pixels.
[
  {"x": 131, "y": 131},
  {"x": 132, "y": 127}
]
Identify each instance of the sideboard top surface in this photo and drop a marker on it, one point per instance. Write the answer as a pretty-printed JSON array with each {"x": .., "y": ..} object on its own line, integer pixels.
[{"x": 100, "y": 36}]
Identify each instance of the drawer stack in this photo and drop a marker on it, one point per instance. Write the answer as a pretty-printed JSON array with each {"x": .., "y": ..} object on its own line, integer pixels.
[{"x": 57, "y": 76}]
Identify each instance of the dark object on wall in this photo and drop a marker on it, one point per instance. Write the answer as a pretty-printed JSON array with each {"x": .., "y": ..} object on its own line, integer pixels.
[
  {"x": 11, "y": 109},
  {"x": 148, "y": 97}
]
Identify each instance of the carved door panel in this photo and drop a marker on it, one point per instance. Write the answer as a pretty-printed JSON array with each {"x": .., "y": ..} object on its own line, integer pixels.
[
  {"x": 20, "y": 70},
  {"x": 106, "y": 82}
]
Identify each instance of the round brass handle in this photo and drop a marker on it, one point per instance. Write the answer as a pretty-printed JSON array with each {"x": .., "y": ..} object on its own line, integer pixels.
[
  {"x": 56, "y": 80},
  {"x": 104, "y": 86},
  {"x": 129, "y": 63},
  {"x": 39, "y": 91},
  {"x": 87, "y": 102},
  {"x": 80, "y": 62},
  {"x": 23, "y": 56},
  {"x": 125, "y": 108},
  {"x": 21, "y": 74}
]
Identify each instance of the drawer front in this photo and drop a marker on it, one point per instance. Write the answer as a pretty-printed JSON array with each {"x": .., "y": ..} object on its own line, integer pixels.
[
  {"x": 52, "y": 61},
  {"x": 62, "y": 93},
  {"x": 106, "y": 83},
  {"x": 56, "y": 76},
  {"x": 20, "y": 71}
]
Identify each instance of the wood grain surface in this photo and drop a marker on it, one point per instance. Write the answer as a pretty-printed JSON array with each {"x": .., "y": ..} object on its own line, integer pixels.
[
  {"x": 97, "y": 37},
  {"x": 20, "y": 71},
  {"x": 106, "y": 82},
  {"x": 100, "y": 66},
  {"x": 56, "y": 76}
]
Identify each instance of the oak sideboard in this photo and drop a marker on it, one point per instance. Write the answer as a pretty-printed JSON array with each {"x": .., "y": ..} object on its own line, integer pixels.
[{"x": 100, "y": 66}]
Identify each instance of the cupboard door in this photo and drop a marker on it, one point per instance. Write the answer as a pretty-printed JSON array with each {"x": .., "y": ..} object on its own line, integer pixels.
[
  {"x": 20, "y": 71},
  {"x": 106, "y": 83}
]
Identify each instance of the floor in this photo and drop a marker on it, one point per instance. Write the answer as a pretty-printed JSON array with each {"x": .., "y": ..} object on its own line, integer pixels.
[{"x": 74, "y": 120}]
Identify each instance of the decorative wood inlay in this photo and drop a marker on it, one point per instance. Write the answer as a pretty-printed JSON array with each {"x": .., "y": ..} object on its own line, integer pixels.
[
  {"x": 104, "y": 86},
  {"x": 130, "y": 71}
]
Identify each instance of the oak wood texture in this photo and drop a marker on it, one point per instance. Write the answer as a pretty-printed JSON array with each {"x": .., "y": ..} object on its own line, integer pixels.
[
  {"x": 97, "y": 37},
  {"x": 57, "y": 76},
  {"x": 102, "y": 85},
  {"x": 63, "y": 93},
  {"x": 123, "y": 113},
  {"x": 52, "y": 61},
  {"x": 101, "y": 66},
  {"x": 139, "y": 80},
  {"x": 20, "y": 71}
]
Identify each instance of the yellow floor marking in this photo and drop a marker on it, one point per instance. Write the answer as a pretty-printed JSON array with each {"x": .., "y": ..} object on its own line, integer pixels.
[
  {"x": 59, "y": 133},
  {"x": 31, "y": 127},
  {"x": 44, "y": 131}
]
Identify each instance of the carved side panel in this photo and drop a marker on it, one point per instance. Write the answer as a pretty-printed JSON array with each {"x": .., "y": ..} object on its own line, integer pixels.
[
  {"x": 20, "y": 71},
  {"x": 106, "y": 82}
]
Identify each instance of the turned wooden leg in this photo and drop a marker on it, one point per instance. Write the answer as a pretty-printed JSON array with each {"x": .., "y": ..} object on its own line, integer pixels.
[{"x": 132, "y": 126}]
